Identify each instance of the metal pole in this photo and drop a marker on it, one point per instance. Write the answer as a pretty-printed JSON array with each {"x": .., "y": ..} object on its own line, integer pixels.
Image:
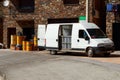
[{"x": 87, "y": 5}]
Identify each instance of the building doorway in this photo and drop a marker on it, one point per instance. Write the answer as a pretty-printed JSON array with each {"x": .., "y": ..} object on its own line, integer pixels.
[
  {"x": 11, "y": 31},
  {"x": 1, "y": 30},
  {"x": 99, "y": 13},
  {"x": 29, "y": 33},
  {"x": 116, "y": 35},
  {"x": 27, "y": 28}
]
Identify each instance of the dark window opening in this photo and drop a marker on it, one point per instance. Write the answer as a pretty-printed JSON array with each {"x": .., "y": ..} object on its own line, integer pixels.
[
  {"x": 29, "y": 33},
  {"x": 11, "y": 31},
  {"x": 82, "y": 34},
  {"x": 26, "y": 6},
  {"x": 96, "y": 33},
  {"x": 67, "y": 2}
]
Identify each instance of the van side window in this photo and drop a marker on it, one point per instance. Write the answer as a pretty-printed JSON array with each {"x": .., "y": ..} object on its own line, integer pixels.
[{"x": 82, "y": 34}]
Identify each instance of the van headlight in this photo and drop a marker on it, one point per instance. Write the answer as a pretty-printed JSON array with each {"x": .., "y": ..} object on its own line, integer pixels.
[{"x": 100, "y": 45}]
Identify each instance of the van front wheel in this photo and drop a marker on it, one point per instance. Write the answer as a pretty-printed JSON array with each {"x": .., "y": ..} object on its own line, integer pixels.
[
  {"x": 106, "y": 54},
  {"x": 90, "y": 52}
]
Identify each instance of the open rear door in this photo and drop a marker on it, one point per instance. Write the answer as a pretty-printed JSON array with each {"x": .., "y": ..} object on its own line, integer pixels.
[
  {"x": 52, "y": 36},
  {"x": 41, "y": 36}
]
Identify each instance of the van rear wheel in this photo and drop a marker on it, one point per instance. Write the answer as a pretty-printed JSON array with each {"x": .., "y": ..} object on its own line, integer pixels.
[
  {"x": 53, "y": 52},
  {"x": 90, "y": 52}
]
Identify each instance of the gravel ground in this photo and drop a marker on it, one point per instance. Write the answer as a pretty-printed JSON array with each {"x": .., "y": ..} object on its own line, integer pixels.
[{"x": 39, "y": 65}]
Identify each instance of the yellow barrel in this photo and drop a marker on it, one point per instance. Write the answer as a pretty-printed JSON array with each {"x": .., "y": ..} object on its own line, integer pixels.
[
  {"x": 13, "y": 40},
  {"x": 24, "y": 45},
  {"x": 12, "y": 47},
  {"x": 20, "y": 39},
  {"x": 29, "y": 46},
  {"x": 35, "y": 41}
]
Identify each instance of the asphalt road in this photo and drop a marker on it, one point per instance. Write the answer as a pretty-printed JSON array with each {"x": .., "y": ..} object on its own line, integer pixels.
[{"x": 40, "y": 65}]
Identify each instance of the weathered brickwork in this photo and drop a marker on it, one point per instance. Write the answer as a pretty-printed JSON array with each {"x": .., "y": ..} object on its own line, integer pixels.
[
  {"x": 51, "y": 9},
  {"x": 1, "y": 30},
  {"x": 44, "y": 10},
  {"x": 111, "y": 18}
]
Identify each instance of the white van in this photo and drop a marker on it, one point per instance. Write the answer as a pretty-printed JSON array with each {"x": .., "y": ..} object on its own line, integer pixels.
[{"x": 74, "y": 37}]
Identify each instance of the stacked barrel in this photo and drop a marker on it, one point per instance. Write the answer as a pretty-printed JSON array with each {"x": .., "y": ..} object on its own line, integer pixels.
[
  {"x": 29, "y": 45},
  {"x": 35, "y": 42},
  {"x": 19, "y": 43},
  {"x": 13, "y": 42},
  {"x": 24, "y": 45}
]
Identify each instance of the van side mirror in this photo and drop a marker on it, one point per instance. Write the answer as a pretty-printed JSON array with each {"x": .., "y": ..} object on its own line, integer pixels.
[{"x": 87, "y": 38}]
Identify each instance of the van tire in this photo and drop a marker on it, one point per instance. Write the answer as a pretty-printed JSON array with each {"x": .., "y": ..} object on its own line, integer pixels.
[
  {"x": 53, "y": 52},
  {"x": 90, "y": 52},
  {"x": 106, "y": 54},
  {"x": 1, "y": 47}
]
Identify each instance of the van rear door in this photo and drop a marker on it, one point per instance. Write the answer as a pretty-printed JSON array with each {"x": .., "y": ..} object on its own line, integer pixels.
[
  {"x": 52, "y": 36},
  {"x": 41, "y": 35}
]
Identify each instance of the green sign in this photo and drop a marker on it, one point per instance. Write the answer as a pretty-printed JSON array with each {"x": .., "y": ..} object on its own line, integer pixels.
[{"x": 82, "y": 18}]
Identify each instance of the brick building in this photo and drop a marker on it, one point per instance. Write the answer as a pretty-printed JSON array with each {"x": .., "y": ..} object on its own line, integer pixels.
[{"x": 25, "y": 15}]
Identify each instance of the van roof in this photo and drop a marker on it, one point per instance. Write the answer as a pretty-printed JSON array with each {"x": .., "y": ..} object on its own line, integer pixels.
[
  {"x": 83, "y": 25},
  {"x": 89, "y": 25}
]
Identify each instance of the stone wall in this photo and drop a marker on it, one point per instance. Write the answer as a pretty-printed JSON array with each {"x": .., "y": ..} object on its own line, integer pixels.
[
  {"x": 44, "y": 10},
  {"x": 50, "y": 9},
  {"x": 110, "y": 19},
  {"x": 1, "y": 30}
]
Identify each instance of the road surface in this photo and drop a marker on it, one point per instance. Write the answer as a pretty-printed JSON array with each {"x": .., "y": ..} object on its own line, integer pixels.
[{"x": 40, "y": 65}]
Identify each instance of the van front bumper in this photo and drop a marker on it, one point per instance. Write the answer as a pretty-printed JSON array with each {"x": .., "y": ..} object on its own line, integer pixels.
[{"x": 100, "y": 50}]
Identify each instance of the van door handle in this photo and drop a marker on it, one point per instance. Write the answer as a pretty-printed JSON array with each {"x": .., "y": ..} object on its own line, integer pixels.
[
  {"x": 78, "y": 40},
  {"x": 57, "y": 40}
]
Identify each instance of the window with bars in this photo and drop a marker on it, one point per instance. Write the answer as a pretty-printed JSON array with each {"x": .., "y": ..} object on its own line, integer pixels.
[{"x": 26, "y": 5}]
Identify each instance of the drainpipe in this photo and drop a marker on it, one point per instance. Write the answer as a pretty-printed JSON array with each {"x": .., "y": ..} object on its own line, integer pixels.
[{"x": 87, "y": 10}]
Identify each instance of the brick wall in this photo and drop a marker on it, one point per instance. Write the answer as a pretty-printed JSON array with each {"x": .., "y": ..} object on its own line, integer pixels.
[
  {"x": 44, "y": 9},
  {"x": 110, "y": 19},
  {"x": 1, "y": 30},
  {"x": 49, "y": 9}
]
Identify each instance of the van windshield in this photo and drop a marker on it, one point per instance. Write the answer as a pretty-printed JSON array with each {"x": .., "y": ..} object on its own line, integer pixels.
[{"x": 96, "y": 33}]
